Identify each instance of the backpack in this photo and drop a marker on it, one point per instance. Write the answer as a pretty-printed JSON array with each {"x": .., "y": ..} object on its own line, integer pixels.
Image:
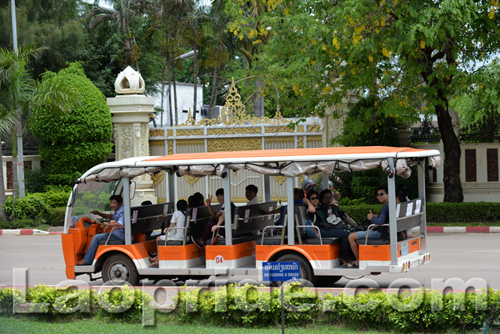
[{"x": 311, "y": 232}]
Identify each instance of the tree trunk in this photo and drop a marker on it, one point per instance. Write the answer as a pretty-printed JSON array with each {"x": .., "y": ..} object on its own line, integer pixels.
[
  {"x": 169, "y": 90},
  {"x": 20, "y": 159},
  {"x": 213, "y": 95},
  {"x": 172, "y": 63},
  {"x": 195, "y": 86},
  {"x": 15, "y": 185},
  {"x": 2, "y": 186},
  {"x": 452, "y": 152}
]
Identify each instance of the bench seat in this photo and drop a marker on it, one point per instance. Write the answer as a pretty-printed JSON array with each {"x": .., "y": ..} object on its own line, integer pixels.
[
  {"x": 376, "y": 242},
  {"x": 326, "y": 241},
  {"x": 272, "y": 241},
  {"x": 173, "y": 242},
  {"x": 112, "y": 242}
]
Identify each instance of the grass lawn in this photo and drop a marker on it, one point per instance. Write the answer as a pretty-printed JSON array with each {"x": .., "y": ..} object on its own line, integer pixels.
[
  {"x": 15, "y": 325},
  {"x": 92, "y": 326}
]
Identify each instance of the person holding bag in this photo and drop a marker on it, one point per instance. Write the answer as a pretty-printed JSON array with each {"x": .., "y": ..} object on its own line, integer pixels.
[{"x": 332, "y": 229}]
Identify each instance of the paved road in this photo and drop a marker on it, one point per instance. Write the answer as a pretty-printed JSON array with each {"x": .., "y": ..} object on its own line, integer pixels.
[{"x": 462, "y": 256}]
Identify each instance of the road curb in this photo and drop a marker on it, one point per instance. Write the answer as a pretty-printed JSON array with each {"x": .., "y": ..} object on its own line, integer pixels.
[
  {"x": 430, "y": 229},
  {"x": 27, "y": 231}
]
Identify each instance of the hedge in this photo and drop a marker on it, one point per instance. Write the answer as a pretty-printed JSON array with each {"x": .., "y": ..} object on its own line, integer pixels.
[
  {"x": 49, "y": 208},
  {"x": 423, "y": 311},
  {"x": 467, "y": 212},
  {"x": 37, "y": 208},
  {"x": 73, "y": 142}
]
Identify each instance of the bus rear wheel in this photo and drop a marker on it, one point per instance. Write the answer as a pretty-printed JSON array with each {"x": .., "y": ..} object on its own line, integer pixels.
[
  {"x": 306, "y": 272},
  {"x": 118, "y": 268}
]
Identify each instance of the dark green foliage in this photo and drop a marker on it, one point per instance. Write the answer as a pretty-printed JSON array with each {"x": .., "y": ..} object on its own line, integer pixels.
[
  {"x": 365, "y": 127},
  {"x": 463, "y": 212},
  {"x": 467, "y": 212},
  {"x": 34, "y": 180},
  {"x": 38, "y": 208},
  {"x": 360, "y": 187},
  {"x": 19, "y": 223},
  {"x": 73, "y": 142},
  {"x": 29, "y": 207},
  {"x": 55, "y": 216}
]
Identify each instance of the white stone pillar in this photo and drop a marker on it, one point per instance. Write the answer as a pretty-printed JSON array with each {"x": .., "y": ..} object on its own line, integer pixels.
[{"x": 131, "y": 110}]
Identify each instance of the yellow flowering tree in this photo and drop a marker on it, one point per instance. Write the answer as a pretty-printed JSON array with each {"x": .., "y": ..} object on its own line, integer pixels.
[{"x": 413, "y": 55}]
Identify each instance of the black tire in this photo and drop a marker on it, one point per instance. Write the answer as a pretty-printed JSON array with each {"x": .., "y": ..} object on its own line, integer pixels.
[
  {"x": 306, "y": 272},
  {"x": 326, "y": 281},
  {"x": 120, "y": 267}
]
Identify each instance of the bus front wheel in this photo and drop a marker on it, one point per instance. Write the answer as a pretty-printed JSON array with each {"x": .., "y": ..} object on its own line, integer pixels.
[{"x": 119, "y": 267}]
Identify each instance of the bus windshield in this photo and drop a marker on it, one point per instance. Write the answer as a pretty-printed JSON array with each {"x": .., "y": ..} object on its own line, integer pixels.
[{"x": 93, "y": 198}]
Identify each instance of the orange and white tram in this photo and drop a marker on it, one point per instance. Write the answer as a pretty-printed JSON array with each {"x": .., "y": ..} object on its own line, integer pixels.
[{"x": 248, "y": 241}]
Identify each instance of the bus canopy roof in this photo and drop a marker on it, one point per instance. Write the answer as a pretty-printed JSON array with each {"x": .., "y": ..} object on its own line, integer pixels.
[{"x": 286, "y": 162}]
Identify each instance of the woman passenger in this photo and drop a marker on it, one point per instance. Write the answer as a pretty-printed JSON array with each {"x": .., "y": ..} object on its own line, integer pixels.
[{"x": 319, "y": 217}]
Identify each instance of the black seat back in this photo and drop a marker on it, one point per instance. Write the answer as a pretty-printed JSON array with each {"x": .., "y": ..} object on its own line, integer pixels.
[
  {"x": 151, "y": 217},
  {"x": 250, "y": 219}
]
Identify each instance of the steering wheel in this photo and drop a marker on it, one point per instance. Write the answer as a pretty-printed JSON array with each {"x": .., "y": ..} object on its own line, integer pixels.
[{"x": 102, "y": 220}]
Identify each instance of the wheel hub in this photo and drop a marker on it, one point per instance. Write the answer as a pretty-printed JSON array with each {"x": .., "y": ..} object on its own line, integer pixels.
[{"x": 119, "y": 272}]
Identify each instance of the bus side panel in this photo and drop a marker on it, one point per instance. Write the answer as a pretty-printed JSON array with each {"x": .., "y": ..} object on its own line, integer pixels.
[
  {"x": 138, "y": 253},
  {"x": 68, "y": 245},
  {"x": 231, "y": 257},
  {"x": 374, "y": 255},
  {"x": 380, "y": 255},
  {"x": 180, "y": 257}
]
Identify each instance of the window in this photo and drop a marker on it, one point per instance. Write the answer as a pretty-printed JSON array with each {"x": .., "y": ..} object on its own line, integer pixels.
[
  {"x": 470, "y": 166},
  {"x": 492, "y": 164}
]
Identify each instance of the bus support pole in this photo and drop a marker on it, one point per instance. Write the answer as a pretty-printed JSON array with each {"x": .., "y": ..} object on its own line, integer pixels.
[
  {"x": 267, "y": 188},
  {"x": 393, "y": 235},
  {"x": 126, "y": 204},
  {"x": 291, "y": 210},
  {"x": 226, "y": 182}
]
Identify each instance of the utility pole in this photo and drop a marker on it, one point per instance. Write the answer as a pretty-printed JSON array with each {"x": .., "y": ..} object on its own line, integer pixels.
[{"x": 19, "y": 129}]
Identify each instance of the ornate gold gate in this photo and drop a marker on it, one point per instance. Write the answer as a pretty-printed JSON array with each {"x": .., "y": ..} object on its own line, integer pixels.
[{"x": 233, "y": 130}]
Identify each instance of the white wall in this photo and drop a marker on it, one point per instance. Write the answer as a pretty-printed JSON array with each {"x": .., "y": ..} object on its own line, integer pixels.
[
  {"x": 480, "y": 191},
  {"x": 185, "y": 95}
]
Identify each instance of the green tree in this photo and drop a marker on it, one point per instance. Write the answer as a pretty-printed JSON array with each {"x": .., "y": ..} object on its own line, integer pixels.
[
  {"x": 53, "y": 24},
  {"x": 121, "y": 14},
  {"x": 19, "y": 95},
  {"x": 166, "y": 19},
  {"x": 192, "y": 29},
  {"x": 73, "y": 142},
  {"x": 479, "y": 107},
  {"x": 364, "y": 127},
  {"x": 409, "y": 54}
]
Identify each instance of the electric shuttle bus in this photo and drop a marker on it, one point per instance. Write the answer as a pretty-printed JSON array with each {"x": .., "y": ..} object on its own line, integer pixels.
[{"x": 251, "y": 236}]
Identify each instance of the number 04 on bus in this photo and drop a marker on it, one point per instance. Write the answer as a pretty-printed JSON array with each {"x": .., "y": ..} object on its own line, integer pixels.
[{"x": 251, "y": 237}]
